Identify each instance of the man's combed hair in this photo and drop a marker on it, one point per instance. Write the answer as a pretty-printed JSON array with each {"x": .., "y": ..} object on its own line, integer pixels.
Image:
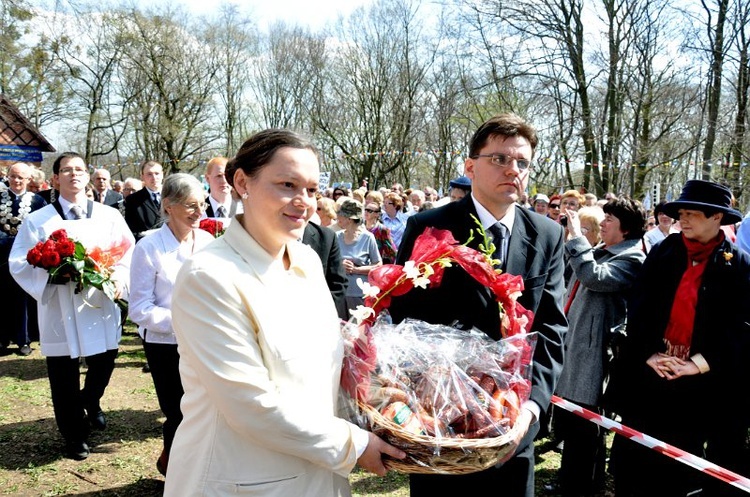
[{"x": 507, "y": 125}]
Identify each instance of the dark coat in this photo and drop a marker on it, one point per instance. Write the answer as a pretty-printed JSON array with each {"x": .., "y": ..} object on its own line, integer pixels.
[
  {"x": 141, "y": 213},
  {"x": 111, "y": 198},
  {"x": 535, "y": 252},
  {"x": 694, "y": 410},
  {"x": 323, "y": 241}
]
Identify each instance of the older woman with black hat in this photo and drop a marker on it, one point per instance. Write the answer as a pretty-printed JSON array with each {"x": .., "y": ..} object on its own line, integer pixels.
[
  {"x": 687, "y": 349},
  {"x": 359, "y": 250}
]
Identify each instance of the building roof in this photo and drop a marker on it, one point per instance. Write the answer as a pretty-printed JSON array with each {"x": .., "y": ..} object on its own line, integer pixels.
[{"x": 16, "y": 130}]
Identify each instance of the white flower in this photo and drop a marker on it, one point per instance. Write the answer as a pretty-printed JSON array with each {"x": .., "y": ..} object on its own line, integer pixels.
[
  {"x": 411, "y": 270},
  {"x": 421, "y": 282},
  {"x": 361, "y": 313},
  {"x": 368, "y": 290}
]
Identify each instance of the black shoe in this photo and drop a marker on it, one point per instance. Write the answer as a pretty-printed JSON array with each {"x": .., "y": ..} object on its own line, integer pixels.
[
  {"x": 25, "y": 350},
  {"x": 146, "y": 368},
  {"x": 97, "y": 419},
  {"x": 77, "y": 450}
]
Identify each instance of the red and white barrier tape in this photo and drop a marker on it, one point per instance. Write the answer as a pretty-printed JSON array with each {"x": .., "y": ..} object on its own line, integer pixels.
[{"x": 680, "y": 455}]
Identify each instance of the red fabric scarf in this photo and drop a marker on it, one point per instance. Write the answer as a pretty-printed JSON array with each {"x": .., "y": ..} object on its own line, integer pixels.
[{"x": 679, "y": 332}]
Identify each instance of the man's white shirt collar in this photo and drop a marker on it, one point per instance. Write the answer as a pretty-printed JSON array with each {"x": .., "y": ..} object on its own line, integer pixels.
[
  {"x": 66, "y": 206},
  {"x": 487, "y": 219}
]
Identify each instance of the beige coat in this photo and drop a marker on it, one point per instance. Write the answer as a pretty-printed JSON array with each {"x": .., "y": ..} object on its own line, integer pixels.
[{"x": 260, "y": 359}]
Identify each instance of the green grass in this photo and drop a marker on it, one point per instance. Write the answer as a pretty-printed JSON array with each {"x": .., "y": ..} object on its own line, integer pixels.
[{"x": 123, "y": 458}]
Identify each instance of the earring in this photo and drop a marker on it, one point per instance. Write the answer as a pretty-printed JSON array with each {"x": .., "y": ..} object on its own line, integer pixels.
[{"x": 244, "y": 196}]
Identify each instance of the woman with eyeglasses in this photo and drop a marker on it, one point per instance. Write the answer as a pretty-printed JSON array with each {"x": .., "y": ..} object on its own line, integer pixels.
[
  {"x": 359, "y": 250},
  {"x": 382, "y": 234},
  {"x": 156, "y": 259},
  {"x": 554, "y": 208}
]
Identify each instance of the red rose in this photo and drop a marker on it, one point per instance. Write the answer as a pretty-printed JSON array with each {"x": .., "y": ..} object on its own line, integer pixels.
[
  {"x": 50, "y": 258},
  {"x": 59, "y": 235},
  {"x": 34, "y": 257},
  {"x": 66, "y": 247},
  {"x": 216, "y": 228}
]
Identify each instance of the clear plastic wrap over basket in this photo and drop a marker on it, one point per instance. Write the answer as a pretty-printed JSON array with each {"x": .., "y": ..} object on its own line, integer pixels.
[{"x": 448, "y": 397}]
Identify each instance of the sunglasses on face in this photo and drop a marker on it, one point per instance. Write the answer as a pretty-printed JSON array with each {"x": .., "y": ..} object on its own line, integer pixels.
[
  {"x": 554, "y": 206},
  {"x": 373, "y": 211}
]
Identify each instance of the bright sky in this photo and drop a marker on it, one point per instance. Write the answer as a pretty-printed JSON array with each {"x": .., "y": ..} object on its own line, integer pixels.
[{"x": 312, "y": 13}]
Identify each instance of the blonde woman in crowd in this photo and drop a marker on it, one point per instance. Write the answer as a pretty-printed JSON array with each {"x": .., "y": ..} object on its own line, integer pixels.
[
  {"x": 326, "y": 211},
  {"x": 386, "y": 247},
  {"x": 591, "y": 219}
]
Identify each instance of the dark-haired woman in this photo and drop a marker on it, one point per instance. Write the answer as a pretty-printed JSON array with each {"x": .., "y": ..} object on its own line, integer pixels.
[
  {"x": 595, "y": 303},
  {"x": 260, "y": 346}
]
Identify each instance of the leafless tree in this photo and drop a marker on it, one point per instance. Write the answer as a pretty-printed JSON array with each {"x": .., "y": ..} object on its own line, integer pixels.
[{"x": 170, "y": 72}]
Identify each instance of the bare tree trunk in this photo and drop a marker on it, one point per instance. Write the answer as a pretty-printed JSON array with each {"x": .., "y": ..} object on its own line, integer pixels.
[{"x": 715, "y": 33}]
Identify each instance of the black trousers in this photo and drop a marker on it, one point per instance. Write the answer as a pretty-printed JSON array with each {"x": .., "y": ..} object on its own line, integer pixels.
[
  {"x": 164, "y": 361},
  {"x": 582, "y": 469},
  {"x": 69, "y": 399},
  {"x": 515, "y": 478},
  {"x": 20, "y": 321}
]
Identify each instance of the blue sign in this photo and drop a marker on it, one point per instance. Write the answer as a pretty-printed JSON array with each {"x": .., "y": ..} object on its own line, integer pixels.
[{"x": 20, "y": 153}]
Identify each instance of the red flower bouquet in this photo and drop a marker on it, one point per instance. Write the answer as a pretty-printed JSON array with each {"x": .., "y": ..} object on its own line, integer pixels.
[
  {"x": 213, "y": 226},
  {"x": 68, "y": 260},
  {"x": 447, "y": 397}
]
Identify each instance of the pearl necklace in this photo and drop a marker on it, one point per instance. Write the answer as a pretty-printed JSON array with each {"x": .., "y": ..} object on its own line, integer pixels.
[{"x": 8, "y": 222}]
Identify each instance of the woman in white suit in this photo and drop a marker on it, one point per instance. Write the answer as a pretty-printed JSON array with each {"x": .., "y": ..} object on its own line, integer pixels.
[
  {"x": 260, "y": 346},
  {"x": 157, "y": 258}
]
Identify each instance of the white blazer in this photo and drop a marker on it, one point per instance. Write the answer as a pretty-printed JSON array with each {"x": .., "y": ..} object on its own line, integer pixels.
[{"x": 260, "y": 360}]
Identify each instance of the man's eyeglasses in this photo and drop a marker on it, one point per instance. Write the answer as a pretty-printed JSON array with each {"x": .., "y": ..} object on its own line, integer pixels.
[
  {"x": 505, "y": 160},
  {"x": 373, "y": 211},
  {"x": 191, "y": 208}
]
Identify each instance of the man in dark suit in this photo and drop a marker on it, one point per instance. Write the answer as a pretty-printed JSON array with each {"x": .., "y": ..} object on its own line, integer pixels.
[
  {"x": 16, "y": 203},
  {"x": 500, "y": 154},
  {"x": 323, "y": 241},
  {"x": 143, "y": 208},
  {"x": 103, "y": 193}
]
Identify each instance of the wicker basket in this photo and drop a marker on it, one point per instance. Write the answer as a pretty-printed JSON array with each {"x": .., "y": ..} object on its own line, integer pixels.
[{"x": 426, "y": 455}]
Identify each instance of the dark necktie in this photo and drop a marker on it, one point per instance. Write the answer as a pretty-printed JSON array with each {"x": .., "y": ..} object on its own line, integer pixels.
[
  {"x": 221, "y": 211},
  {"x": 500, "y": 239},
  {"x": 77, "y": 212},
  {"x": 157, "y": 199}
]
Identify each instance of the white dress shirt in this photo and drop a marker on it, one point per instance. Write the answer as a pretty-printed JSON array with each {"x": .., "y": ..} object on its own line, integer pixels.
[{"x": 157, "y": 258}]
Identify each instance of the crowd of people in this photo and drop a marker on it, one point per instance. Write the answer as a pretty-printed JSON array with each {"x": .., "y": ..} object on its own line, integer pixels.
[{"x": 249, "y": 390}]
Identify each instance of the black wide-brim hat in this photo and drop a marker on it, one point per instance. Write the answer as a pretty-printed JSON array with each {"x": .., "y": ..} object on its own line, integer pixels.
[{"x": 703, "y": 195}]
